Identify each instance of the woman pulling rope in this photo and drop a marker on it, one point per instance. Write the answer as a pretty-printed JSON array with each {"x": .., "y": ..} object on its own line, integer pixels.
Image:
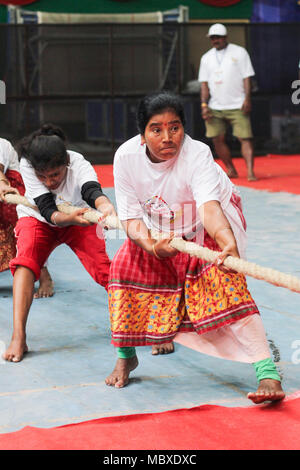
[
  {"x": 193, "y": 249},
  {"x": 240, "y": 338},
  {"x": 48, "y": 169},
  {"x": 167, "y": 182}
]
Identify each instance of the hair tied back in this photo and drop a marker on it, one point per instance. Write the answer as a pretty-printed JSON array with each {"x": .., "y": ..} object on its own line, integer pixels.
[{"x": 50, "y": 129}]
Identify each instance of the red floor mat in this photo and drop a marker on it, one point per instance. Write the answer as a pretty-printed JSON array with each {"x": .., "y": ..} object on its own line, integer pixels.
[
  {"x": 274, "y": 172},
  {"x": 105, "y": 175},
  {"x": 257, "y": 427}
]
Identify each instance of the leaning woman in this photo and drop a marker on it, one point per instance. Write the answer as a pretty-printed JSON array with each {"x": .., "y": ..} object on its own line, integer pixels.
[
  {"x": 167, "y": 182},
  {"x": 51, "y": 172},
  {"x": 11, "y": 182}
]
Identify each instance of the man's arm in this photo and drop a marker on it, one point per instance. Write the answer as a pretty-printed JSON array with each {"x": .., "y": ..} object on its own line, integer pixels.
[
  {"x": 204, "y": 96},
  {"x": 246, "y": 107}
]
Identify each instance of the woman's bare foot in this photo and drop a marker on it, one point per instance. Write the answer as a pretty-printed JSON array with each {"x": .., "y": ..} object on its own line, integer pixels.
[
  {"x": 268, "y": 390},
  {"x": 46, "y": 288},
  {"x": 165, "y": 348},
  {"x": 16, "y": 350},
  {"x": 120, "y": 375}
]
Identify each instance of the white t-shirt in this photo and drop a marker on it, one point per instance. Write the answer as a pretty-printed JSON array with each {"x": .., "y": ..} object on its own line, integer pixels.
[
  {"x": 8, "y": 156},
  {"x": 167, "y": 195},
  {"x": 79, "y": 171},
  {"x": 224, "y": 72}
]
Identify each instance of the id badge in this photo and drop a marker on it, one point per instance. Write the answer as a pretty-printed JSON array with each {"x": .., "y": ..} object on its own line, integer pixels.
[{"x": 218, "y": 77}]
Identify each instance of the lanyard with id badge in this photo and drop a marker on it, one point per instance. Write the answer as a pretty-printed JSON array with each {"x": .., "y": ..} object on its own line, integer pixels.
[{"x": 218, "y": 72}]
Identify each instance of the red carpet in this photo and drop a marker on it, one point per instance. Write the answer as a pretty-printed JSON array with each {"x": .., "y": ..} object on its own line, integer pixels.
[
  {"x": 274, "y": 172},
  {"x": 105, "y": 175},
  {"x": 257, "y": 427}
]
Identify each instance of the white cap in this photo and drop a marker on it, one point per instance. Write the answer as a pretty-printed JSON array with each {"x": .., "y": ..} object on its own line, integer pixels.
[{"x": 217, "y": 29}]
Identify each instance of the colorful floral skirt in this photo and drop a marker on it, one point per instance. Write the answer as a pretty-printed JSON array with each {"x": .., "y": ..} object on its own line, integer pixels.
[
  {"x": 8, "y": 220},
  {"x": 151, "y": 300}
]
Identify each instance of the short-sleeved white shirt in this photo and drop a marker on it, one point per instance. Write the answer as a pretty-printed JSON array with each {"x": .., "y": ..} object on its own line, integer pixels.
[
  {"x": 224, "y": 71},
  {"x": 167, "y": 195},
  {"x": 79, "y": 172},
  {"x": 8, "y": 156}
]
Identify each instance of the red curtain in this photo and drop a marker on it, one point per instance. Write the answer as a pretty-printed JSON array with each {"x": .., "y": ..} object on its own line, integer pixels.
[
  {"x": 16, "y": 2},
  {"x": 220, "y": 3}
]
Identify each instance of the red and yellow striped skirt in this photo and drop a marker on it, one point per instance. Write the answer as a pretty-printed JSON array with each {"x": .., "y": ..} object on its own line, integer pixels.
[{"x": 151, "y": 300}]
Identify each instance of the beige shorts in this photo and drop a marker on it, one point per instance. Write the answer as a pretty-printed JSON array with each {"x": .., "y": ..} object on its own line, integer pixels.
[{"x": 240, "y": 122}]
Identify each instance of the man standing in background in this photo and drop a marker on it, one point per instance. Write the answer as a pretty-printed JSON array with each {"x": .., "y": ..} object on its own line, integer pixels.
[{"x": 225, "y": 75}]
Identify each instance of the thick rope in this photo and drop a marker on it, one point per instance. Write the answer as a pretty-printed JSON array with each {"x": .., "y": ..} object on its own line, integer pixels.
[
  {"x": 242, "y": 266},
  {"x": 91, "y": 215},
  {"x": 239, "y": 265}
]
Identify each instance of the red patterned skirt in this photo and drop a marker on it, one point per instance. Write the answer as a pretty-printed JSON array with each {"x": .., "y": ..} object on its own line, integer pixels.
[
  {"x": 8, "y": 220},
  {"x": 151, "y": 300}
]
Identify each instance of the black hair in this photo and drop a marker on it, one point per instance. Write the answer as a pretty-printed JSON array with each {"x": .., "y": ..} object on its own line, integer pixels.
[
  {"x": 155, "y": 104},
  {"x": 45, "y": 148}
]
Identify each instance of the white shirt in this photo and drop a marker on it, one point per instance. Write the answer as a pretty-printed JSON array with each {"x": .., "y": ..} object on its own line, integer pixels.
[
  {"x": 79, "y": 171},
  {"x": 224, "y": 71},
  {"x": 8, "y": 156},
  {"x": 167, "y": 195}
]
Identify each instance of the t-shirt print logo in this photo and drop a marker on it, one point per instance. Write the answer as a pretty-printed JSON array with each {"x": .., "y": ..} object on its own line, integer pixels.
[
  {"x": 156, "y": 206},
  {"x": 178, "y": 218}
]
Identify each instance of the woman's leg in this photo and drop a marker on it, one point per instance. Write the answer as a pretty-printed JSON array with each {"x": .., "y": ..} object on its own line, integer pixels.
[
  {"x": 127, "y": 361},
  {"x": 46, "y": 287},
  {"x": 23, "y": 286},
  {"x": 35, "y": 241},
  {"x": 91, "y": 251},
  {"x": 269, "y": 381}
]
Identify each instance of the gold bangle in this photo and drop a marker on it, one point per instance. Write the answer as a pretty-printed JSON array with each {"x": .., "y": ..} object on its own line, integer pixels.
[
  {"x": 154, "y": 252},
  {"x": 204, "y": 105},
  {"x": 221, "y": 230}
]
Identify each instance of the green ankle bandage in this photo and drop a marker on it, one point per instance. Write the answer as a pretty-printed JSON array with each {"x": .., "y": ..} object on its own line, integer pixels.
[
  {"x": 266, "y": 369},
  {"x": 126, "y": 353}
]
